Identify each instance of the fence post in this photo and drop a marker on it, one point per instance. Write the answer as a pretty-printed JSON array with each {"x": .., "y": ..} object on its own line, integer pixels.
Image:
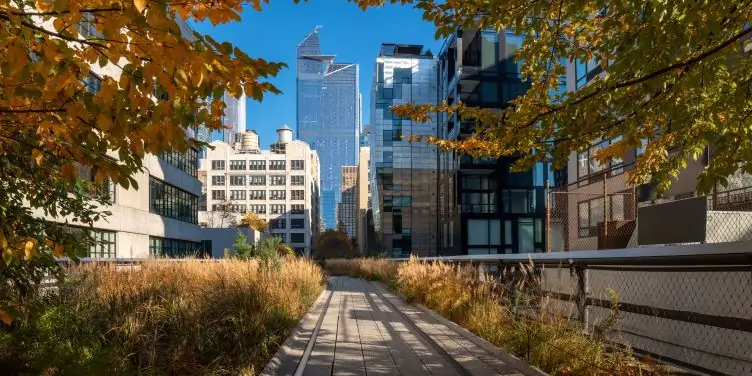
[
  {"x": 583, "y": 292},
  {"x": 547, "y": 202},
  {"x": 606, "y": 204}
]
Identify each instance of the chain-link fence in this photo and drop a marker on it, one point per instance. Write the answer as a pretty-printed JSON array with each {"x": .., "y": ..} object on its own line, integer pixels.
[
  {"x": 605, "y": 212},
  {"x": 595, "y": 215},
  {"x": 687, "y": 306}
]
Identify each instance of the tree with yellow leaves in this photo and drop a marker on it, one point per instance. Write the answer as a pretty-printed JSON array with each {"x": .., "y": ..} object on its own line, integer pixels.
[
  {"x": 675, "y": 73},
  {"x": 98, "y": 84},
  {"x": 253, "y": 221},
  {"x": 81, "y": 79}
]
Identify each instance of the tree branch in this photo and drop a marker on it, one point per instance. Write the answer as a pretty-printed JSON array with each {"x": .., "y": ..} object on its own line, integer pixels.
[
  {"x": 646, "y": 77},
  {"x": 52, "y": 33},
  {"x": 57, "y": 13}
]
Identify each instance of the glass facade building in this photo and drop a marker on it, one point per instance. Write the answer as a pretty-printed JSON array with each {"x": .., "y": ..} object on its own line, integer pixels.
[
  {"x": 484, "y": 207},
  {"x": 328, "y": 117},
  {"x": 403, "y": 175},
  {"x": 233, "y": 120}
]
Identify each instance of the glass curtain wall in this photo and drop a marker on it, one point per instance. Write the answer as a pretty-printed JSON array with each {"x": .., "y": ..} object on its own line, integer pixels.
[
  {"x": 328, "y": 117},
  {"x": 404, "y": 185}
]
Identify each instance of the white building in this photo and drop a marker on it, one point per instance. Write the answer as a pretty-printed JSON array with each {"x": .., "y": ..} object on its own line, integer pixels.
[{"x": 281, "y": 185}]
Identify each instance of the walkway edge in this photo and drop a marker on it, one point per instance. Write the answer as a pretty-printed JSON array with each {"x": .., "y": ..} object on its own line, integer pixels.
[
  {"x": 288, "y": 356},
  {"x": 522, "y": 366}
]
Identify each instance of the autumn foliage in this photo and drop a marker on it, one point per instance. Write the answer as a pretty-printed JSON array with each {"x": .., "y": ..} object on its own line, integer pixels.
[{"x": 252, "y": 220}]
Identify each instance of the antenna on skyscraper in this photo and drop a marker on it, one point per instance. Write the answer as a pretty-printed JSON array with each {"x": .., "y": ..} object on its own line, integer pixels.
[{"x": 316, "y": 29}]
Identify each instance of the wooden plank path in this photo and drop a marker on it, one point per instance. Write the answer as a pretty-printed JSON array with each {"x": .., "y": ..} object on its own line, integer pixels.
[{"x": 360, "y": 328}]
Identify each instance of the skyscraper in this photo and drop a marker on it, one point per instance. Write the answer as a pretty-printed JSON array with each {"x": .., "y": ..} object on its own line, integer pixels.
[
  {"x": 234, "y": 119},
  {"x": 404, "y": 186},
  {"x": 328, "y": 116}
]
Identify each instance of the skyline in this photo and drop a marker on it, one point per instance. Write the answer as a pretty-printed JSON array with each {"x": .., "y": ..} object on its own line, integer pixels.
[{"x": 352, "y": 35}]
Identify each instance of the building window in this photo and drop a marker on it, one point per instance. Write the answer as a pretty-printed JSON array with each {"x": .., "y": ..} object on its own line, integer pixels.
[
  {"x": 479, "y": 202},
  {"x": 257, "y": 165},
  {"x": 519, "y": 201},
  {"x": 297, "y": 237},
  {"x": 174, "y": 248},
  {"x": 276, "y": 165},
  {"x": 257, "y": 195},
  {"x": 297, "y": 223},
  {"x": 282, "y": 237},
  {"x": 478, "y": 182},
  {"x": 237, "y": 208},
  {"x": 525, "y": 235},
  {"x": 218, "y": 194},
  {"x": 86, "y": 27},
  {"x": 257, "y": 180},
  {"x": 277, "y": 209},
  {"x": 218, "y": 165},
  {"x": 297, "y": 195},
  {"x": 586, "y": 71},
  {"x": 278, "y": 224},
  {"x": 172, "y": 202},
  {"x": 297, "y": 209},
  {"x": 186, "y": 162},
  {"x": 276, "y": 195},
  {"x": 218, "y": 180},
  {"x": 588, "y": 166},
  {"x": 591, "y": 212},
  {"x": 237, "y": 180},
  {"x": 105, "y": 190},
  {"x": 489, "y": 51},
  {"x": 237, "y": 165},
  {"x": 93, "y": 83},
  {"x": 258, "y": 209},
  {"x": 483, "y": 232},
  {"x": 297, "y": 164},
  {"x": 237, "y": 195},
  {"x": 297, "y": 180},
  {"x": 277, "y": 180}
]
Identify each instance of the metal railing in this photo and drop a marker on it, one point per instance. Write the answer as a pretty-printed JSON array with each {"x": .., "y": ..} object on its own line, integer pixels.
[{"x": 689, "y": 305}]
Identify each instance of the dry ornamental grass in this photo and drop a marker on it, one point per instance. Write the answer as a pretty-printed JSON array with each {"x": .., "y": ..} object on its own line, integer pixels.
[{"x": 189, "y": 317}]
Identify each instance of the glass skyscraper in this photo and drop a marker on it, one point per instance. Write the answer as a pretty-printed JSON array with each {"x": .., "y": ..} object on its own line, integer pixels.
[
  {"x": 233, "y": 120},
  {"x": 328, "y": 117},
  {"x": 404, "y": 175}
]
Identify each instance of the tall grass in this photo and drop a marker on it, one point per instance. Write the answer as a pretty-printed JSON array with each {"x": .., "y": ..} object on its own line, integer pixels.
[
  {"x": 512, "y": 315},
  {"x": 162, "y": 318}
]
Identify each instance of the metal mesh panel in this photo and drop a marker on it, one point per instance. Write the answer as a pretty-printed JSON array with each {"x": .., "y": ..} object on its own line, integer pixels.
[
  {"x": 699, "y": 318},
  {"x": 591, "y": 216}
]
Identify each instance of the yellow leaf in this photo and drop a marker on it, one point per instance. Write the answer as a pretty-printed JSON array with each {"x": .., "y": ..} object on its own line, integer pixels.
[
  {"x": 59, "y": 250},
  {"x": 6, "y": 317},
  {"x": 29, "y": 248},
  {"x": 140, "y": 4},
  {"x": 37, "y": 155},
  {"x": 3, "y": 241}
]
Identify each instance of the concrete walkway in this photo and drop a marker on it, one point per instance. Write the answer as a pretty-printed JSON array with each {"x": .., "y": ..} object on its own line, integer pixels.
[{"x": 360, "y": 328}]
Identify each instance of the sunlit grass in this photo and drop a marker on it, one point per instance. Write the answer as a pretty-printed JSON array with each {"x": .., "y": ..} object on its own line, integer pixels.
[{"x": 181, "y": 318}]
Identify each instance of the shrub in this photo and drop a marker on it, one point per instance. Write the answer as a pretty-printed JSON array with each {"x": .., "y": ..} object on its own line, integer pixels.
[{"x": 187, "y": 318}]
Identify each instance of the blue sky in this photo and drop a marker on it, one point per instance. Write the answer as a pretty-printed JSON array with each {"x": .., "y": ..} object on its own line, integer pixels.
[{"x": 348, "y": 32}]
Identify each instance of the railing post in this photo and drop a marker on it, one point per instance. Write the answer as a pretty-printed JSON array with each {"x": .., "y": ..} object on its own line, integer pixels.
[
  {"x": 547, "y": 201},
  {"x": 583, "y": 293}
]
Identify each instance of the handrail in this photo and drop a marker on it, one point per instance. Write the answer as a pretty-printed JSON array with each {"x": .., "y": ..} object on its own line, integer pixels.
[
  {"x": 735, "y": 253},
  {"x": 128, "y": 261}
]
